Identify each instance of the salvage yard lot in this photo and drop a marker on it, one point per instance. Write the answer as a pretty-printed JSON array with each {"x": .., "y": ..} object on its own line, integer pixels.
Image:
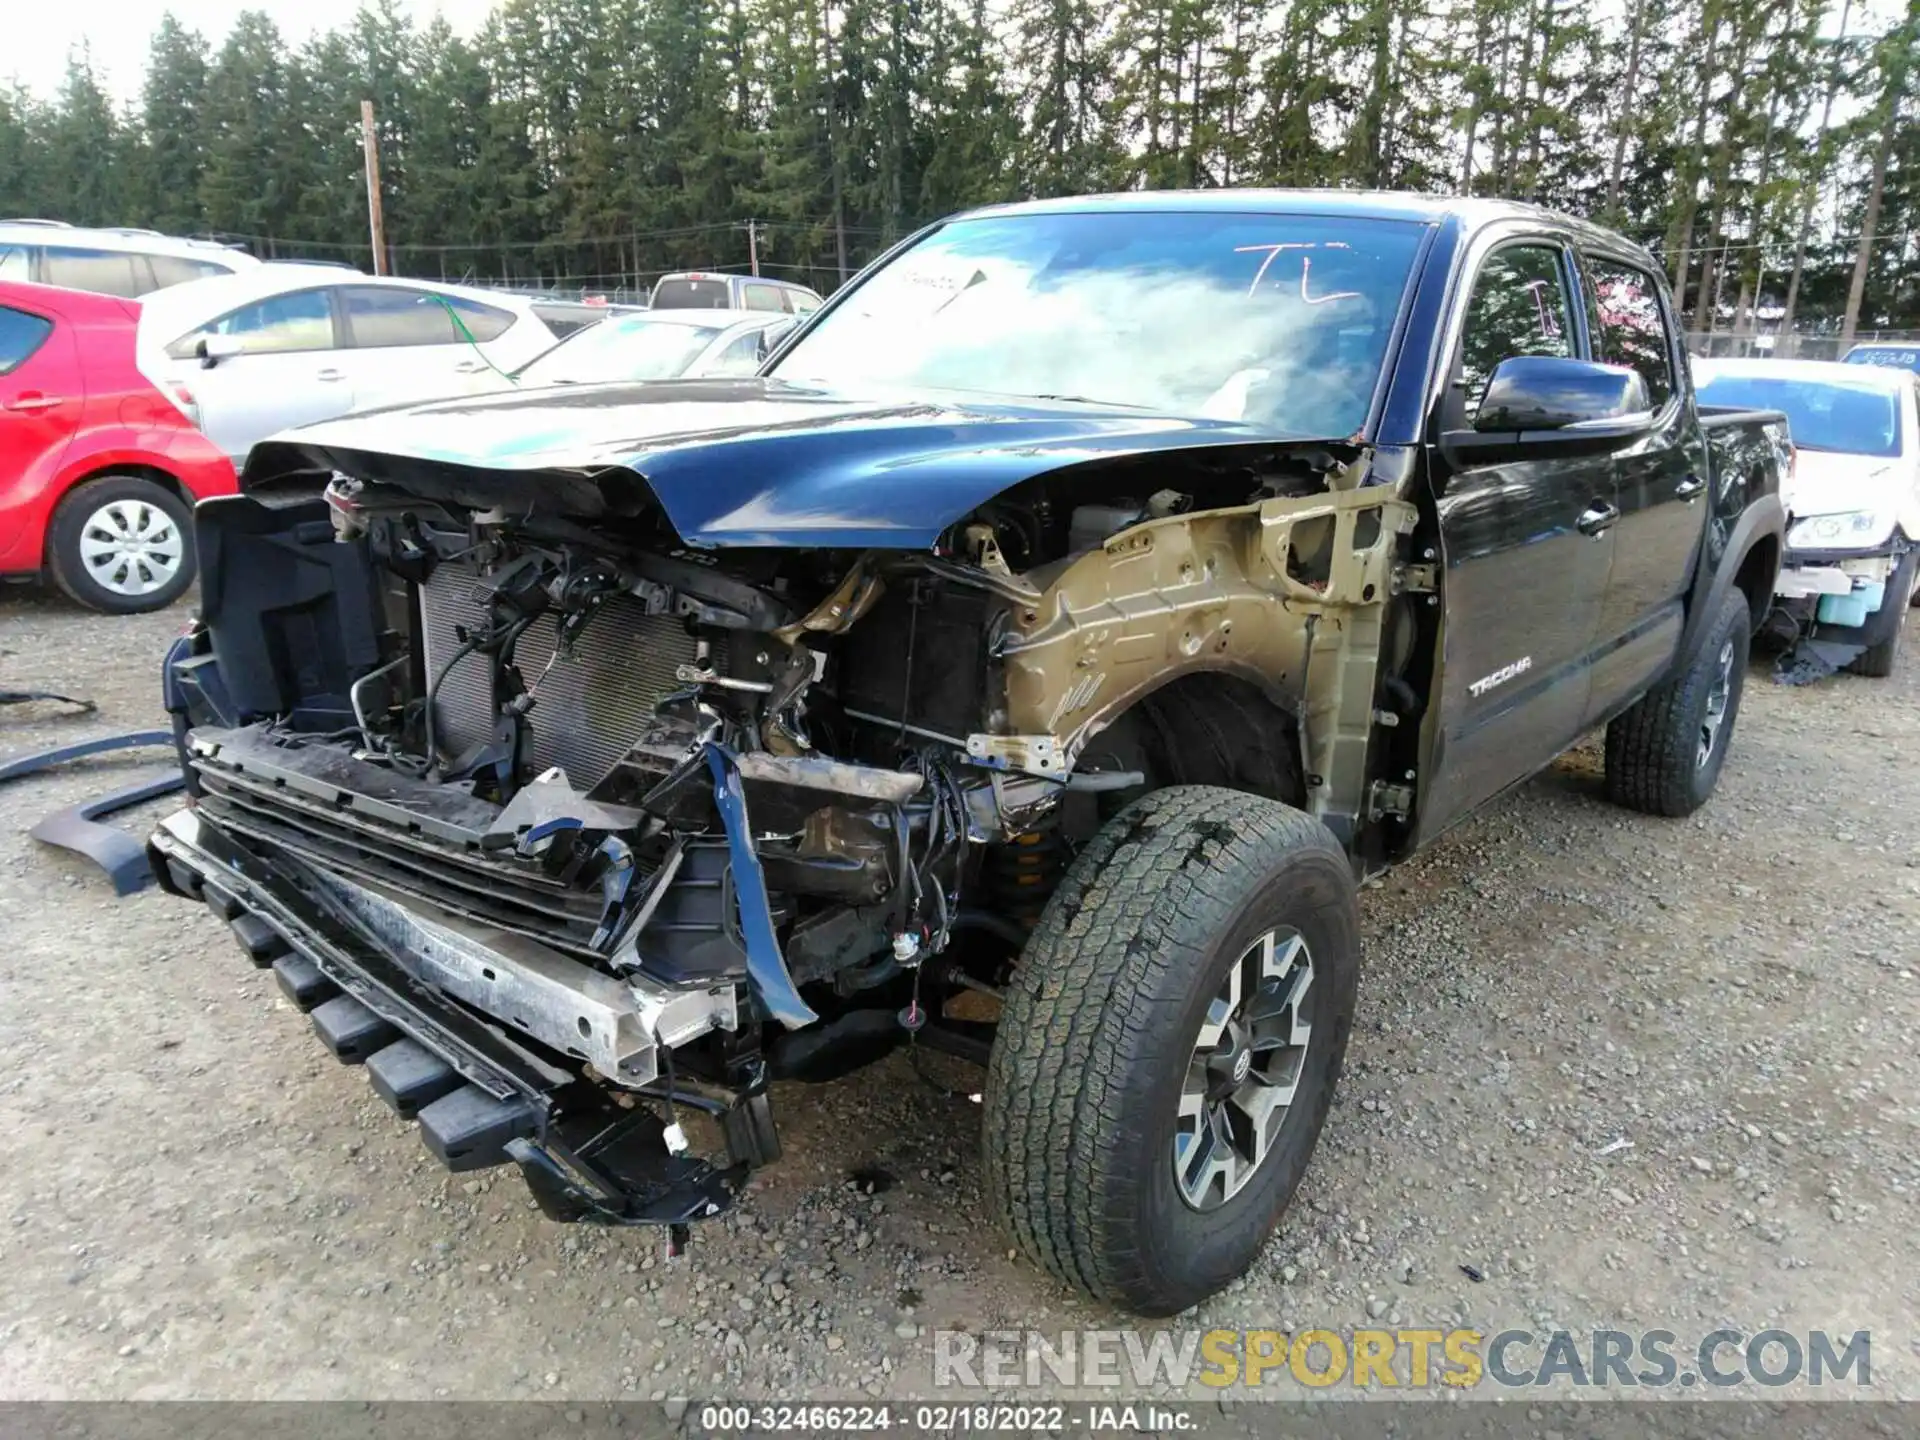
[{"x": 195, "y": 1200}]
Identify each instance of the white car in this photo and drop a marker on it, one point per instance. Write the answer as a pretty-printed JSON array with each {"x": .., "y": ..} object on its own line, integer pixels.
[
  {"x": 283, "y": 345},
  {"x": 118, "y": 261},
  {"x": 661, "y": 345},
  {"x": 1853, "y": 495}
]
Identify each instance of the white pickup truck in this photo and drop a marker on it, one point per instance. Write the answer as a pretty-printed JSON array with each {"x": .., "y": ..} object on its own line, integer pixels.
[{"x": 1852, "y": 564}]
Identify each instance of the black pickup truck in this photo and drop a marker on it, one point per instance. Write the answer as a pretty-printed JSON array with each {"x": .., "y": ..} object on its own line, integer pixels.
[{"x": 1027, "y": 665}]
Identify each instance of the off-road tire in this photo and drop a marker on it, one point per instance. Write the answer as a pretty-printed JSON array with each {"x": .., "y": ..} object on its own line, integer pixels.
[
  {"x": 1653, "y": 748},
  {"x": 1877, "y": 662},
  {"x": 1099, "y": 1025},
  {"x": 69, "y": 570}
]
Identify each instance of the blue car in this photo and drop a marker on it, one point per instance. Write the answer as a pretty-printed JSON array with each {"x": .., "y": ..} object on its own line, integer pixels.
[{"x": 1898, "y": 355}]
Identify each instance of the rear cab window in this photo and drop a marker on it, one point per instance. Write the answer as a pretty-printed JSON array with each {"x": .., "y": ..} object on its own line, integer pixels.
[
  {"x": 1630, "y": 325},
  {"x": 22, "y": 333},
  {"x": 1518, "y": 306},
  {"x": 685, "y": 293}
]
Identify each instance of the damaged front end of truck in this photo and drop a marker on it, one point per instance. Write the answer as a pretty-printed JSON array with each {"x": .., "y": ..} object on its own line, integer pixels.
[{"x": 582, "y": 796}]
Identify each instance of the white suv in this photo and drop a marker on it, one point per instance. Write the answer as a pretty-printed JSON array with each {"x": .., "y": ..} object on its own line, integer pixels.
[{"x": 124, "y": 262}]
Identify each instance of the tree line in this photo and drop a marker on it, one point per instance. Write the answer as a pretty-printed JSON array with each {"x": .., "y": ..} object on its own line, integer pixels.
[{"x": 1766, "y": 149}]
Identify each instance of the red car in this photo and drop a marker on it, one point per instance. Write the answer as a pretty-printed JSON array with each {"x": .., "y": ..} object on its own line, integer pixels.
[{"x": 98, "y": 468}]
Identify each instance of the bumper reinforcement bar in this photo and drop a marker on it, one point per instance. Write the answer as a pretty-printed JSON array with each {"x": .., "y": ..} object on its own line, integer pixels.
[{"x": 479, "y": 1098}]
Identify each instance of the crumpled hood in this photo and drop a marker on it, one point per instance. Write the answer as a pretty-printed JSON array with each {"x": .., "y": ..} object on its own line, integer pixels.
[{"x": 740, "y": 462}]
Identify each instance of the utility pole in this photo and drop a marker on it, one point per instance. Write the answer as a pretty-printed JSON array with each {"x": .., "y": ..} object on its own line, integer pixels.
[
  {"x": 370, "y": 143},
  {"x": 753, "y": 245}
]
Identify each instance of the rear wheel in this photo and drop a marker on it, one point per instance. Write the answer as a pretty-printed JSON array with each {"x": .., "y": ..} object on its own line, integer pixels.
[
  {"x": 1169, "y": 1046},
  {"x": 121, "y": 544},
  {"x": 1664, "y": 755}
]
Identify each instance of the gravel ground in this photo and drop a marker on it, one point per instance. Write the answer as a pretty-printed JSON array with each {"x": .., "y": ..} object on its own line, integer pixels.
[{"x": 1634, "y": 1073}]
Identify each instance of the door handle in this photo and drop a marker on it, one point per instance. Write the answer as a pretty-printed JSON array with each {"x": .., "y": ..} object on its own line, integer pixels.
[
  {"x": 470, "y": 367},
  {"x": 328, "y": 375},
  {"x": 33, "y": 400},
  {"x": 1596, "y": 518},
  {"x": 1689, "y": 488}
]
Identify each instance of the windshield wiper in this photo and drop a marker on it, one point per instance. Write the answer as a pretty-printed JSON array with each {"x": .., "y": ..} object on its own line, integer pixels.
[{"x": 1089, "y": 400}]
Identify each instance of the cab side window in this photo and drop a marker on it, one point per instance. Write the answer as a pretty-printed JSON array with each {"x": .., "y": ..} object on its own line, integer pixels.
[
  {"x": 763, "y": 297},
  {"x": 1518, "y": 307},
  {"x": 1630, "y": 325}
]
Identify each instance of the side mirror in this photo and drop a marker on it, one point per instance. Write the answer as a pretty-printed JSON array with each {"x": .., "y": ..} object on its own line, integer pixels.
[
  {"x": 212, "y": 349},
  {"x": 1543, "y": 404}
]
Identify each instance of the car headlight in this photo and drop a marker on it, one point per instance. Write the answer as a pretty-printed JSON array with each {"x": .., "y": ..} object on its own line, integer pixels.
[{"x": 1851, "y": 530}]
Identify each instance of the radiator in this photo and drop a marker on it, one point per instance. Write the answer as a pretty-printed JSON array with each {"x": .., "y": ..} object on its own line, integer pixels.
[{"x": 590, "y": 708}]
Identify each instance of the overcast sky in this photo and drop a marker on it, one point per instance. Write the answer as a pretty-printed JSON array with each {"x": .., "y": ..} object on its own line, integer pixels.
[{"x": 116, "y": 32}]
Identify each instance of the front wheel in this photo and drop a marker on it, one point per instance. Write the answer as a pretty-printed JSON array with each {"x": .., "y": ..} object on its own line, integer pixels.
[
  {"x": 1169, "y": 1046},
  {"x": 122, "y": 544},
  {"x": 1879, "y": 661}
]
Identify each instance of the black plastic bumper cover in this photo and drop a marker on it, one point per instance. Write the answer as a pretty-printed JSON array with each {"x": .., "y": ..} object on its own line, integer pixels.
[{"x": 480, "y": 1098}]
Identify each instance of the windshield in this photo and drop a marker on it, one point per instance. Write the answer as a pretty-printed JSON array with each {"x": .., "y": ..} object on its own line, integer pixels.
[
  {"x": 635, "y": 348},
  {"x": 1821, "y": 415},
  {"x": 1279, "y": 320},
  {"x": 708, "y": 293}
]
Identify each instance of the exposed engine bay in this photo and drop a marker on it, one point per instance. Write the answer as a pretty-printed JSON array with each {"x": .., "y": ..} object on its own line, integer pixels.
[{"x": 673, "y": 823}]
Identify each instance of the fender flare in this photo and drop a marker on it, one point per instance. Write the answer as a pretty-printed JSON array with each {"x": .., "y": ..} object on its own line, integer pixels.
[{"x": 1765, "y": 517}]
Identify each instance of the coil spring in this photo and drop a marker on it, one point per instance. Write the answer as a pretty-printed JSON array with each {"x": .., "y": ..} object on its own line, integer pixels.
[{"x": 1022, "y": 872}]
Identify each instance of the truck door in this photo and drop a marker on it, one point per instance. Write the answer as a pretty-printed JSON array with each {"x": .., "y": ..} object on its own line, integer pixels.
[
  {"x": 1660, "y": 487},
  {"x": 1526, "y": 548}
]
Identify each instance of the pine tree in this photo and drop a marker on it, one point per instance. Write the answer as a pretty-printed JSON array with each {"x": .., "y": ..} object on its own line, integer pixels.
[
  {"x": 254, "y": 152},
  {"x": 85, "y": 146},
  {"x": 170, "y": 154},
  {"x": 1070, "y": 145}
]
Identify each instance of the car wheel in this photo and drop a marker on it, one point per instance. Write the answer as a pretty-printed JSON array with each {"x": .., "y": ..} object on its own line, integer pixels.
[
  {"x": 121, "y": 544},
  {"x": 1877, "y": 662},
  {"x": 1169, "y": 1046},
  {"x": 1664, "y": 754}
]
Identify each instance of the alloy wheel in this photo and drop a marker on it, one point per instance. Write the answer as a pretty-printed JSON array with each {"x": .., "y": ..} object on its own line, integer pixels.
[
  {"x": 1718, "y": 698},
  {"x": 1244, "y": 1069}
]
